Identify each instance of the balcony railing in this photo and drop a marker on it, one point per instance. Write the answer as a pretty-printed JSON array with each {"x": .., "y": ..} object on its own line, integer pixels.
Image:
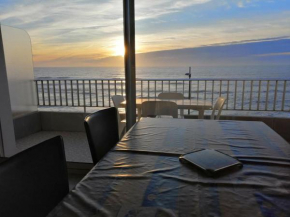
[{"x": 241, "y": 94}]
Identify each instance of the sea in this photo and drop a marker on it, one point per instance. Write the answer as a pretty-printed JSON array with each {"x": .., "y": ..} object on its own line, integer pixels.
[
  {"x": 267, "y": 72},
  {"x": 263, "y": 72}
]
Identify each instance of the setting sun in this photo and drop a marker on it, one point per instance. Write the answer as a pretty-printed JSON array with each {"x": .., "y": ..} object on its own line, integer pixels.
[{"x": 119, "y": 49}]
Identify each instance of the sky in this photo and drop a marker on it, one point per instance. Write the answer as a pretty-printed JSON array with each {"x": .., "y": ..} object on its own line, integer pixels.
[{"x": 79, "y": 33}]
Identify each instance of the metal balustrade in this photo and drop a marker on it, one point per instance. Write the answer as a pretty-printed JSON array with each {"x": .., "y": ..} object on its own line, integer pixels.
[{"x": 241, "y": 94}]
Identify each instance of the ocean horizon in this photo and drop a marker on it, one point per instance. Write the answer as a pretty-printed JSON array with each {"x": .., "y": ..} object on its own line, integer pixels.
[{"x": 252, "y": 72}]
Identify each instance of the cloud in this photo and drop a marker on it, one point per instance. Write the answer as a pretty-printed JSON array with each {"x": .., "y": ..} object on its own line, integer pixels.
[
  {"x": 92, "y": 29},
  {"x": 221, "y": 31},
  {"x": 274, "y": 54},
  {"x": 240, "y": 4},
  {"x": 62, "y": 26},
  {"x": 155, "y": 9}
]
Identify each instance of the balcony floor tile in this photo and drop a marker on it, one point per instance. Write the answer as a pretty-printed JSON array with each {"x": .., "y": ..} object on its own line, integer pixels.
[{"x": 76, "y": 144}]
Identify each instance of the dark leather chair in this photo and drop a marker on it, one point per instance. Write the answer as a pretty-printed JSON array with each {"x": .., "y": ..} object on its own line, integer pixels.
[
  {"x": 34, "y": 181},
  {"x": 102, "y": 132}
]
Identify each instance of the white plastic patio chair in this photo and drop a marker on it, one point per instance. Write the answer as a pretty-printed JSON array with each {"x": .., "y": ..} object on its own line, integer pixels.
[
  {"x": 219, "y": 104},
  {"x": 117, "y": 99},
  {"x": 159, "y": 109},
  {"x": 172, "y": 95}
]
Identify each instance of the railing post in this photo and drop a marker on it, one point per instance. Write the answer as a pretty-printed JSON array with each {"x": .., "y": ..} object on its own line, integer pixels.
[
  {"x": 37, "y": 93},
  {"x": 189, "y": 89},
  {"x": 130, "y": 68},
  {"x": 189, "y": 83}
]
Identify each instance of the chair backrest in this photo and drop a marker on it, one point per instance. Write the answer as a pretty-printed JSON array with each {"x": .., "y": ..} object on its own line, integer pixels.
[
  {"x": 154, "y": 108},
  {"x": 219, "y": 104},
  {"x": 170, "y": 95},
  {"x": 34, "y": 181},
  {"x": 102, "y": 132},
  {"x": 117, "y": 99}
]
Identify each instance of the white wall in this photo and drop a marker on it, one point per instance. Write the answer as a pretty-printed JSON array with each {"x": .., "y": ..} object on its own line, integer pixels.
[
  {"x": 19, "y": 68},
  {"x": 8, "y": 144},
  {"x": 17, "y": 89}
]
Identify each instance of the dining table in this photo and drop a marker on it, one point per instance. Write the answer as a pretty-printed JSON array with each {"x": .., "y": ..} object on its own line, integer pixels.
[
  {"x": 143, "y": 176},
  {"x": 198, "y": 105}
]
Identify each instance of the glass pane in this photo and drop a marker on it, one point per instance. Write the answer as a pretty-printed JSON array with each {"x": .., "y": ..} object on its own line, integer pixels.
[
  {"x": 229, "y": 48},
  {"x": 73, "y": 41}
]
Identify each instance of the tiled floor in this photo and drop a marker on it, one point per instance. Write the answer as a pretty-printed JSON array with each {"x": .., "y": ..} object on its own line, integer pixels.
[{"x": 76, "y": 144}]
